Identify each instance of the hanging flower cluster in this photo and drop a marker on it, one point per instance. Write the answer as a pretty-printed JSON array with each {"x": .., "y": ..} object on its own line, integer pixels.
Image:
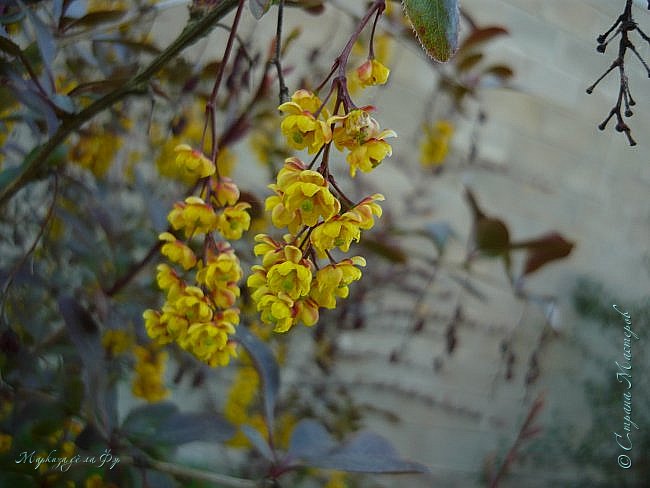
[
  {"x": 199, "y": 313},
  {"x": 289, "y": 286}
]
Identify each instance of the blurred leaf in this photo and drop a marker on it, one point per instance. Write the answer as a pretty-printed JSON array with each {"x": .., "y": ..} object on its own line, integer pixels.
[
  {"x": 309, "y": 440},
  {"x": 92, "y": 19},
  {"x": 543, "y": 250},
  {"x": 85, "y": 335},
  {"x": 83, "y": 331},
  {"x": 481, "y": 35},
  {"x": 491, "y": 235},
  {"x": 392, "y": 253},
  {"x": 267, "y": 368},
  {"x": 468, "y": 62},
  {"x": 90, "y": 438},
  {"x": 9, "y": 47},
  {"x": 44, "y": 38},
  {"x": 140, "y": 46},
  {"x": 365, "y": 452},
  {"x": 439, "y": 232},
  {"x": 161, "y": 424},
  {"x": 436, "y": 25},
  {"x": 500, "y": 71},
  {"x": 256, "y": 439},
  {"x": 259, "y": 7}
]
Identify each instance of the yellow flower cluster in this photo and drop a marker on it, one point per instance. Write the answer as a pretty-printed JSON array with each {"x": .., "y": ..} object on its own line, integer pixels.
[
  {"x": 149, "y": 369},
  {"x": 307, "y": 126},
  {"x": 287, "y": 287},
  {"x": 435, "y": 145},
  {"x": 199, "y": 312},
  {"x": 96, "y": 149},
  {"x": 6, "y": 441}
]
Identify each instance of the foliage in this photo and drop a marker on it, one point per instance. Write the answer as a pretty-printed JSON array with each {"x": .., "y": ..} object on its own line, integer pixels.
[{"x": 120, "y": 152}]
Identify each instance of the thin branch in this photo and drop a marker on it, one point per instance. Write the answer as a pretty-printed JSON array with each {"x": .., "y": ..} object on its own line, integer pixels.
[
  {"x": 36, "y": 164},
  {"x": 189, "y": 473},
  {"x": 284, "y": 90}
]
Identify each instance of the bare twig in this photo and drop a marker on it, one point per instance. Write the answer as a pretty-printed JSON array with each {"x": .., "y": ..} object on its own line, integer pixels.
[{"x": 622, "y": 27}]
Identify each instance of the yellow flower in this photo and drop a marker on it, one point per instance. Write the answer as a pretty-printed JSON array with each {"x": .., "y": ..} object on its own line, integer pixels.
[
  {"x": 220, "y": 275},
  {"x": 116, "y": 342},
  {"x": 149, "y": 369},
  {"x": 278, "y": 310},
  {"x": 96, "y": 150},
  {"x": 226, "y": 161},
  {"x": 332, "y": 281},
  {"x": 365, "y": 211},
  {"x": 234, "y": 221},
  {"x": 362, "y": 136},
  {"x": 176, "y": 251},
  {"x": 291, "y": 276},
  {"x": 96, "y": 481},
  {"x": 5, "y": 443},
  {"x": 302, "y": 198},
  {"x": 372, "y": 72},
  {"x": 225, "y": 192},
  {"x": 193, "y": 216},
  {"x": 300, "y": 126},
  {"x": 193, "y": 305},
  {"x": 192, "y": 163},
  {"x": 208, "y": 339},
  {"x": 339, "y": 232},
  {"x": 337, "y": 478},
  {"x": 169, "y": 281},
  {"x": 156, "y": 329},
  {"x": 368, "y": 156},
  {"x": 435, "y": 145}
]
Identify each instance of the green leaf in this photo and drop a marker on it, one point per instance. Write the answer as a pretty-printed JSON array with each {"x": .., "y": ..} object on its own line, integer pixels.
[
  {"x": 92, "y": 19},
  {"x": 436, "y": 26},
  {"x": 9, "y": 47}
]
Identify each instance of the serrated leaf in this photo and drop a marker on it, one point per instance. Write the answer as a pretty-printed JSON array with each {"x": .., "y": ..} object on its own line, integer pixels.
[
  {"x": 259, "y": 7},
  {"x": 436, "y": 25},
  {"x": 267, "y": 368}
]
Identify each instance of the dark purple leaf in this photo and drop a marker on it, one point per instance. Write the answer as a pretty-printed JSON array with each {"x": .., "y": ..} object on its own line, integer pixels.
[
  {"x": 267, "y": 368},
  {"x": 161, "y": 424},
  {"x": 481, "y": 35},
  {"x": 310, "y": 440},
  {"x": 366, "y": 452},
  {"x": 545, "y": 249},
  {"x": 255, "y": 437}
]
